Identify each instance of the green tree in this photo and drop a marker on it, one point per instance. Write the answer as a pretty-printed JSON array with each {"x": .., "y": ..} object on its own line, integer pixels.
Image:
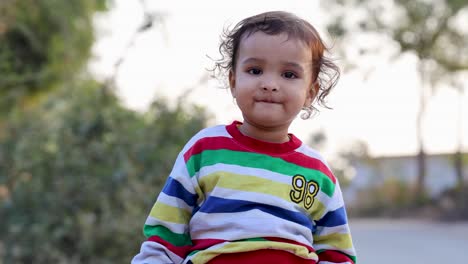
[
  {"x": 42, "y": 44},
  {"x": 80, "y": 173},
  {"x": 430, "y": 30}
]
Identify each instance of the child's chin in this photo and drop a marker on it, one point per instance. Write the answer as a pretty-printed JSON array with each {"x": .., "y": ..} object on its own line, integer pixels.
[{"x": 271, "y": 121}]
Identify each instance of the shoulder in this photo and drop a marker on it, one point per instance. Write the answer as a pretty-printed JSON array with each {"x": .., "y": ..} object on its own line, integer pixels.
[
  {"x": 310, "y": 152},
  {"x": 313, "y": 154},
  {"x": 207, "y": 134}
]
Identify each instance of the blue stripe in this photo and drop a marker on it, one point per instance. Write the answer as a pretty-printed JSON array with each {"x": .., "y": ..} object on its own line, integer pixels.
[
  {"x": 221, "y": 205},
  {"x": 333, "y": 218},
  {"x": 176, "y": 189}
]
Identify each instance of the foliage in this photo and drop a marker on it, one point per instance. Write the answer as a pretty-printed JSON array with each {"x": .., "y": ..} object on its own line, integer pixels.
[
  {"x": 42, "y": 44},
  {"x": 431, "y": 31},
  {"x": 79, "y": 174},
  {"x": 396, "y": 198},
  {"x": 392, "y": 198}
]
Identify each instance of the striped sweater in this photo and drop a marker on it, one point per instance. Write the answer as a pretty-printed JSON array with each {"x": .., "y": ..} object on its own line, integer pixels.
[{"x": 231, "y": 197}]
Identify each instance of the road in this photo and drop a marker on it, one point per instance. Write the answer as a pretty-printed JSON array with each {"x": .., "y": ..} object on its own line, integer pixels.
[{"x": 409, "y": 241}]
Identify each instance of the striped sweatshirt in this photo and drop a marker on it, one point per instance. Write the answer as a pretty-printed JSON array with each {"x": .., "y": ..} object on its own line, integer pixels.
[{"x": 233, "y": 199}]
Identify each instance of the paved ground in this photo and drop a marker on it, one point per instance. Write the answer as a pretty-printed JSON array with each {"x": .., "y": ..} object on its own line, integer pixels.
[{"x": 409, "y": 241}]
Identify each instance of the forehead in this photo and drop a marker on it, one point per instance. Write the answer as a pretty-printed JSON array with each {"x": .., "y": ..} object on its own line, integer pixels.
[{"x": 280, "y": 47}]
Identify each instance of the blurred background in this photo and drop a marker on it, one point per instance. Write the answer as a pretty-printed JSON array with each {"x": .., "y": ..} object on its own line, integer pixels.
[{"x": 97, "y": 97}]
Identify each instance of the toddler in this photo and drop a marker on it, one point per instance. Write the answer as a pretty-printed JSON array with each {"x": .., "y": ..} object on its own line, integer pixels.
[{"x": 251, "y": 192}]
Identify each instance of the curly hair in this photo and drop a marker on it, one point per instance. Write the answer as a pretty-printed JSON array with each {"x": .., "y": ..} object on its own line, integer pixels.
[{"x": 325, "y": 72}]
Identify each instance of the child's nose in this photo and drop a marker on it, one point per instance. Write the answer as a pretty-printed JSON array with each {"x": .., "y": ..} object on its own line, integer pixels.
[
  {"x": 273, "y": 89},
  {"x": 270, "y": 84}
]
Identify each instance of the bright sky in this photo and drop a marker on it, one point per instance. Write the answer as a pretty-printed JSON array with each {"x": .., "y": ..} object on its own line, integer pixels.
[{"x": 170, "y": 59}]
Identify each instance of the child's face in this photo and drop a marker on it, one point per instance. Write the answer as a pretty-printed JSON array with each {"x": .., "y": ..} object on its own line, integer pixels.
[{"x": 272, "y": 79}]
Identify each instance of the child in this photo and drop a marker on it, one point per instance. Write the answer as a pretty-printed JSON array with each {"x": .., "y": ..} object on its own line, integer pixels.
[{"x": 250, "y": 192}]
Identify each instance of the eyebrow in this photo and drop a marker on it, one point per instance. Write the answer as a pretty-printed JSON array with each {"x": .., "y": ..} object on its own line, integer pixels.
[{"x": 295, "y": 65}]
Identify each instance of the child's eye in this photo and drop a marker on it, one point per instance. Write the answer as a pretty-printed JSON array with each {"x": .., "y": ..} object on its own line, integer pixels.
[
  {"x": 289, "y": 75},
  {"x": 255, "y": 71}
]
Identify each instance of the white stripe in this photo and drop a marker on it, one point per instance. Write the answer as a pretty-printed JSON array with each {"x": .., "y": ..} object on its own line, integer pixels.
[
  {"x": 341, "y": 229},
  {"x": 180, "y": 173},
  {"x": 336, "y": 201},
  {"x": 174, "y": 227},
  {"x": 153, "y": 253},
  {"x": 215, "y": 131},
  {"x": 174, "y": 202},
  {"x": 243, "y": 225}
]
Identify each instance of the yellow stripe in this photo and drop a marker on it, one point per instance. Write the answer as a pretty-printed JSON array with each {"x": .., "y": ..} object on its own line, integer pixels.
[
  {"x": 246, "y": 246},
  {"x": 200, "y": 193},
  {"x": 337, "y": 240},
  {"x": 245, "y": 183},
  {"x": 169, "y": 213},
  {"x": 249, "y": 183}
]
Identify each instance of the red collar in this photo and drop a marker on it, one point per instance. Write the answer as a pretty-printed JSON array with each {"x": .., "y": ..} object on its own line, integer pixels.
[{"x": 262, "y": 146}]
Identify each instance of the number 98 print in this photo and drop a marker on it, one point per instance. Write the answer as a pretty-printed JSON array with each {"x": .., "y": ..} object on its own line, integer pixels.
[{"x": 303, "y": 191}]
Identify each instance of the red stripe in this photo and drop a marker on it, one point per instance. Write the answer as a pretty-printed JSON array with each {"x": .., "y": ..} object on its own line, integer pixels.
[
  {"x": 212, "y": 143},
  {"x": 262, "y": 256},
  {"x": 263, "y": 146},
  {"x": 181, "y": 251},
  {"x": 334, "y": 256},
  {"x": 254, "y": 257},
  {"x": 218, "y": 143},
  {"x": 310, "y": 163},
  {"x": 201, "y": 244}
]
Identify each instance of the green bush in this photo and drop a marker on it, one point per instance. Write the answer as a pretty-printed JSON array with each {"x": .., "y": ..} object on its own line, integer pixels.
[
  {"x": 79, "y": 175},
  {"x": 391, "y": 198}
]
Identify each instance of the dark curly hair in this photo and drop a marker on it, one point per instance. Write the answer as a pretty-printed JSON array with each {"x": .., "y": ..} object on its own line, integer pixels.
[{"x": 325, "y": 72}]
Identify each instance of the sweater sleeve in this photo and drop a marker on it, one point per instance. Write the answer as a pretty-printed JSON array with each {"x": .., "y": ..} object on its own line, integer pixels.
[
  {"x": 166, "y": 228},
  {"x": 332, "y": 239}
]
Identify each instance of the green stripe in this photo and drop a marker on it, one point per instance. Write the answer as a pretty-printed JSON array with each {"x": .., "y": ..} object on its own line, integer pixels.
[
  {"x": 193, "y": 252},
  {"x": 166, "y": 234},
  {"x": 260, "y": 161}
]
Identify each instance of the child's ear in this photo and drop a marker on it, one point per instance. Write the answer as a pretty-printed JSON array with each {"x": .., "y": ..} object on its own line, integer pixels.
[
  {"x": 232, "y": 82},
  {"x": 312, "y": 93},
  {"x": 315, "y": 89}
]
